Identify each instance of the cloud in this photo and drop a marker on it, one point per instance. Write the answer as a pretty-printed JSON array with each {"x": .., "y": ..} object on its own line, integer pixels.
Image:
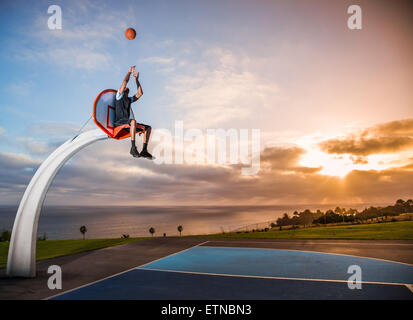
[
  {"x": 80, "y": 58},
  {"x": 36, "y": 147},
  {"x": 164, "y": 43},
  {"x": 158, "y": 60},
  {"x": 286, "y": 159},
  {"x": 389, "y": 137},
  {"x": 363, "y": 147},
  {"x": 84, "y": 42},
  {"x": 399, "y": 127},
  {"x": 57, "y": 131},
  {"x": 282, "y": 158},
  {"x": 68, "y": 56},
  {"x": 358, "y": 160},
  {"x": 219, "y": 89},
  {"x": 15, "y": 173},
  {"x": 162, "y": 65},
  {"x": 21, "y": 88},
  {"x": 105, "y": 174}
]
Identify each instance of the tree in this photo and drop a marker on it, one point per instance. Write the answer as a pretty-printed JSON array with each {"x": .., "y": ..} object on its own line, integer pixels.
[
  {"x": 340, "y": 211},
  {"x": 152, "y": 230},
  {"x": 329, "y": 217},
  {"x": 400, "y": 202},
  {"x": 295, "y": 221},
  {"x": 284, "y": 221},
  {"x": 306, "y": 217},
  {"x": 352, "y": 212},
  {"x": 318, "y": 214},
  {"x": 83, "y": 231},
  {"x": 180, "y": 228}
]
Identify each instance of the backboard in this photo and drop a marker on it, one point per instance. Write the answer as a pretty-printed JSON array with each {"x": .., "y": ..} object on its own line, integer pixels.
[{"x": 104, "y": 114}]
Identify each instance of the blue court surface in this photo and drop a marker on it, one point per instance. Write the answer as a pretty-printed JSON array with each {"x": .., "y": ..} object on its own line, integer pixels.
[{"x": 205, "y": 272}]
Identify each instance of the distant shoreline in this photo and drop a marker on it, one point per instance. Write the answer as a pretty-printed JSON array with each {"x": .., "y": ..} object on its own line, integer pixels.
[
  {"x": 63, "y": 222},
  {"x": 298, "y": 206}
]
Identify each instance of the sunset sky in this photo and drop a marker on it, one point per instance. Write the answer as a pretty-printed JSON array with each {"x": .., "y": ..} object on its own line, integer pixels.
[{"x": 334, "y": 105}]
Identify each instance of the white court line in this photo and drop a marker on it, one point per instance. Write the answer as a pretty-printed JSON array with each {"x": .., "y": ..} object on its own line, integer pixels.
[
  {"x": 117, "y": 274},
  {"x": 172, "y": 254},
  {"x": 274, "y": 278},
  {"x": 315, "y": 242},
  {"x": 331, "y": 253}
]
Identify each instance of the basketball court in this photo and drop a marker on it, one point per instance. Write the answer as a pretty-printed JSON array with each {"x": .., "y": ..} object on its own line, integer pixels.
[{"x": 220, "y": 269}]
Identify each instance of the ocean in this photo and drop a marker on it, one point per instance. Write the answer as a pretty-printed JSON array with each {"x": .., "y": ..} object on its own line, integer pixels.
[{"x": 63, "y": 222}]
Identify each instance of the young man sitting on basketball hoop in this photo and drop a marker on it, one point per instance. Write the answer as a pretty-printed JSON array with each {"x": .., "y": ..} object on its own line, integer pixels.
[{"x": 124, "y": 114}]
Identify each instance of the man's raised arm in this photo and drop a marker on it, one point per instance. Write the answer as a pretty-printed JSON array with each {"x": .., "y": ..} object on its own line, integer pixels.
[
  {"x": 138, "y": 85},
  {"x": 126, "y": 79}
]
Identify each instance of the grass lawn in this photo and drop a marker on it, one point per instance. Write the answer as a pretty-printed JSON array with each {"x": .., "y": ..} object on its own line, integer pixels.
[
  {"x": 55, "y": 248},
  {"x": 402, "y": 230}
]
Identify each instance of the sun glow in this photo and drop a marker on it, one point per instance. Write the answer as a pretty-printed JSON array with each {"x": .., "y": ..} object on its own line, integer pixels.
[
  {"x": 332, "y": 166},
  {"x": 341, "y": 165}
]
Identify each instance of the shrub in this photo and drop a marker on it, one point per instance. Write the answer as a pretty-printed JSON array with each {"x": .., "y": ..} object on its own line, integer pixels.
[
  {"x": 42, "y": 238},
  {"x": 5, "y": 235}
]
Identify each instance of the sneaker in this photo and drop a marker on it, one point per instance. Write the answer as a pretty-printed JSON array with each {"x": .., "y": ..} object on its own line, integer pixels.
[
  {"x": 146, "y": 154},
  {"x": 134, "y": 152}
]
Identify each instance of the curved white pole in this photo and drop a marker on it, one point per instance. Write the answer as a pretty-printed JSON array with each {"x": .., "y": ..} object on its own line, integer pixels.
[{"x": 22, "y": 251}]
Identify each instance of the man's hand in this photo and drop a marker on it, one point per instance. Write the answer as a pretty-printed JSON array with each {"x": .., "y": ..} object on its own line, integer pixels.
[{"x": 132, "y": 69}]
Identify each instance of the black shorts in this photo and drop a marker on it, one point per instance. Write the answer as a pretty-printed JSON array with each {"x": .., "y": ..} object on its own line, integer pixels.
[
  {"x": 122, "y": 122},
  {"x": 139, "y": 126}
]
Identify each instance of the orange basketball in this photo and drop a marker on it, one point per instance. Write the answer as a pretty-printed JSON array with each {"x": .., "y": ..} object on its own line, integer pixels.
[{"x": 130, "y": 33}]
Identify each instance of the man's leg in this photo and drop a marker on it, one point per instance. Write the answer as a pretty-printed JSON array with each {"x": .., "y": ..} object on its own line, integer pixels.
[
  {"x": 147, "y": 134},
  {"x": 132, "y": 130},
  {"x": 133, "y": 151}
]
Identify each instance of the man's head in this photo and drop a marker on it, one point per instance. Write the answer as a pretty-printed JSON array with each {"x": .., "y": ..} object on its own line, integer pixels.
[{"x": 126, "y": 91}]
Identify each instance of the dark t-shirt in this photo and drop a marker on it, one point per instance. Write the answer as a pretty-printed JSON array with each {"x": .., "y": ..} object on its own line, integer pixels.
[{"x": 122, "y": 110}]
